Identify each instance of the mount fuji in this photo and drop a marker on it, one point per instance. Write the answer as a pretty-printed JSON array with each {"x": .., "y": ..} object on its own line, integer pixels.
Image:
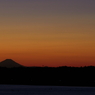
[{"x": 9, "y": 63}]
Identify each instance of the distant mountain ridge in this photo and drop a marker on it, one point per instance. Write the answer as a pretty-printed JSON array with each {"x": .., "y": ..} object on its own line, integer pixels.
[{"x": 9, "y": 63}]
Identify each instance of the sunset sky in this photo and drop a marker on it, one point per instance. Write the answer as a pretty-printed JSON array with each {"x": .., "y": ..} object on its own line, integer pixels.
[{"x": 48, "y": 32}]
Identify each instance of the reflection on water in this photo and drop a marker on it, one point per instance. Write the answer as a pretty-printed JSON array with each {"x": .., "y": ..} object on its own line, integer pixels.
[{"x": 45, "y": 90}]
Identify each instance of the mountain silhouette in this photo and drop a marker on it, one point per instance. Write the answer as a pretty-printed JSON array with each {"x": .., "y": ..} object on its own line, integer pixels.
[{"x": 9, "y": 63}]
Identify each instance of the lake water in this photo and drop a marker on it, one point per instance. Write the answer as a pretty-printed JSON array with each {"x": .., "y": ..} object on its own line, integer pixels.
[{"x": 45, "y": 90}]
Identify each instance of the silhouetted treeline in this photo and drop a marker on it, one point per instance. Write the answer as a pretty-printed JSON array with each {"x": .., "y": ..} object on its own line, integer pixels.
[{"x": 65, "y": 76}]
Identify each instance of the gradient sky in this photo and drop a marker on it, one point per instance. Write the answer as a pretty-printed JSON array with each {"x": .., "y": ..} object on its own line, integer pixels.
[{"x": 48, "y": 32}]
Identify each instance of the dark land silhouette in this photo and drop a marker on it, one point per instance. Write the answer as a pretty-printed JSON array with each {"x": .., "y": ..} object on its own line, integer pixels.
[
  {"x": 9, "y": 63},
  {"x": 62, "y": 76}
]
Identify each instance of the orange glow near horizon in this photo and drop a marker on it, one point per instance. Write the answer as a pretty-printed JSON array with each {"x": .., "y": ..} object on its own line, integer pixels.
[
  {"x": 47, "y": 34},
  {"x": 50, "y": 50}
]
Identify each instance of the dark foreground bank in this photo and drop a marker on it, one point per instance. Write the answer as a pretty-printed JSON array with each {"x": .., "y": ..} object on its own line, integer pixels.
[{"x": 60, "y": 76}]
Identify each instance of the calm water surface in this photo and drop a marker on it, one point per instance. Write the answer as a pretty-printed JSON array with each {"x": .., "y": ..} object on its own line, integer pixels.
[{"x": 45, "y": 90}]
